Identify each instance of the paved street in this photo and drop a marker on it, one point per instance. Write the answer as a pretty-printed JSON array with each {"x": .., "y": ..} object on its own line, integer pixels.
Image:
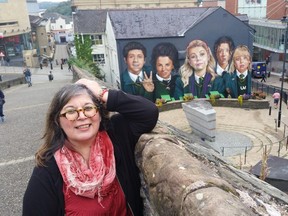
[{"x": 20, "y": 135}]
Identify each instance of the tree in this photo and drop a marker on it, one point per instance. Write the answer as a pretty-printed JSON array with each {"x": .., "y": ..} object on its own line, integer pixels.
[
  {"x": 63, "y": 8},
  {"x": 84, "y": 58}
]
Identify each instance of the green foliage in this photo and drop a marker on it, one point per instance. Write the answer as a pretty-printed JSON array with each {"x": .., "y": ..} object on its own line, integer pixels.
[
  {"x": 83, "y": 45},
  {"x": 63, "y": 8},
  {"x": 95, "y": 70},
  {"x": 84, "y": 58}
]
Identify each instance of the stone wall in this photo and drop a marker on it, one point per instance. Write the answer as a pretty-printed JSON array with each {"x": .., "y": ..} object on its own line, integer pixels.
[
  {"x": 8, "y": 83},
  {"x": 223, "y": 102}
]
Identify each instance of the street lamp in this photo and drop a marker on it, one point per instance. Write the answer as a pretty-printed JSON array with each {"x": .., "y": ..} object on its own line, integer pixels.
[{"x": 285, "y": 21}]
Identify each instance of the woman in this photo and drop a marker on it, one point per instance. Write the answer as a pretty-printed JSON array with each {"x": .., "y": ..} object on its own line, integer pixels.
[
  {"x": 86, "y": 165},
  {"x": 164, "y": 61},
  {"x": 239, "y": 80},
  {"x": 197, "y": 73}
]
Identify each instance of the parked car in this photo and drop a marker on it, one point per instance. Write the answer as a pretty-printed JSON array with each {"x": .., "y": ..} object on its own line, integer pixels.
[{"x": 258, "y": 68}]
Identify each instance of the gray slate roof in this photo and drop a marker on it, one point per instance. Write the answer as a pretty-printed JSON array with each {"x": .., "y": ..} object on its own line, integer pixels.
[
  {"x": 90, "y": 21},
  {"x": 141, "y": 23},
  {"x": 54, "y": 16},
  {"x": 36, "y": 20},
  {"x": 151, "y": 23}
]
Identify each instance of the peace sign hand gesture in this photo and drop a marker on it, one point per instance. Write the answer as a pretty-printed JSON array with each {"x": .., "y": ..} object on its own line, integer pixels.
[{"x": 148, "y": 82}]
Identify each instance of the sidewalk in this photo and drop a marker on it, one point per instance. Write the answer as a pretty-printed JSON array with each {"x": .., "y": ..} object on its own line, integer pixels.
[
  {"x": 273, "y": 80},
  {"x": 38, "y": 75}
]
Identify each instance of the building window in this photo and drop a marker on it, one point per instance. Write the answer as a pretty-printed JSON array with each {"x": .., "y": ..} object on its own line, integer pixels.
[
  {"x": 99, "y": 59},
  {"x": 96, "y": 39},
  {"x": 7, "y": 24}
]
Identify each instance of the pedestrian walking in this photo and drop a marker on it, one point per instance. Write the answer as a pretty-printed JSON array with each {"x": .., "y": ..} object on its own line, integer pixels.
[
  {"x": 276, "y": 97},
  {"x": 8, "y": 61},
  {"x": 41, "y": 66},
  {"x": 69, "y": 66},
  {"x": 2, "y": 101},
  {"x": 50, "y": 76},
  {"x": 263, "y": 77},
  {"x": 27, "y": 74}
]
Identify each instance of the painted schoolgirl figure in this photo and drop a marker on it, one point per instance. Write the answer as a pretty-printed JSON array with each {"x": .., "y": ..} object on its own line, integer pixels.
[
  {"x": 223, "y": 49},
  {"x": 197, "y": 73},
  {"x": 239, "y": 80},
  {"x": 164, "y": 61},
  {"x": 136, "y": 79}
]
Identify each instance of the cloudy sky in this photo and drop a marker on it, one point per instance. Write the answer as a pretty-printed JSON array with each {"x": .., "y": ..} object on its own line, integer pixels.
[{"x": 51, "y": 0}]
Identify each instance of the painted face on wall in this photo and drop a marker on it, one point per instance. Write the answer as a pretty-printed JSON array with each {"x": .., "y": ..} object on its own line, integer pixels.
[
  {"x": 198, "y": 58},
  {"x": 83, "y": 129},
  {"x": 164, "y": 66},
  {"x": 242, "y": 62},
  {"x": 223, "y": 55},
  {"x": 135, "y": 61}
]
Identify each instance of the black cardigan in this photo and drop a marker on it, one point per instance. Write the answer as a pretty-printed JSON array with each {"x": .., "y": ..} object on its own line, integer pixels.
[{"x": 135, "y": 116}]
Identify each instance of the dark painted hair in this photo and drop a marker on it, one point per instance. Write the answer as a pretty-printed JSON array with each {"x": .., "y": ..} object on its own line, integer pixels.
[
  {"x": 224, "y": 39},
  {"x": 165, "y": 49},
  {"x": 132, "y": 46}
]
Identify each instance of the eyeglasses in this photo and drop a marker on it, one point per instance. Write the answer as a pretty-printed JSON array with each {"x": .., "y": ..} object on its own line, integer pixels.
[{"x": 73, "y": 114}]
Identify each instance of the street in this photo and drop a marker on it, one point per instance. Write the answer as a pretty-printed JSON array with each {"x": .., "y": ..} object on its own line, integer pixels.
[{"x": 20, "y": 135}]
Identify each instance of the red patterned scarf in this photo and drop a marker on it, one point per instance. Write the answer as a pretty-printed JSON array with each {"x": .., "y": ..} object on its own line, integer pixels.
[{"x": 95, "y": 179}]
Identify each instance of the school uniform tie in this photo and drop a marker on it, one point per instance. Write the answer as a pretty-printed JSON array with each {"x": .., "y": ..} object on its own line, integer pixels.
[
  {"x": 241, "y": 76},
  {"x": 201, "y": 81},
  {"x": 165, "y": 82},
  {"x": 138, "y": 80}
]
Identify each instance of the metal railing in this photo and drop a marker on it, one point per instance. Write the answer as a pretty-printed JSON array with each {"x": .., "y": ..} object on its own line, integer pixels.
[{"x": 269, "y": 90}]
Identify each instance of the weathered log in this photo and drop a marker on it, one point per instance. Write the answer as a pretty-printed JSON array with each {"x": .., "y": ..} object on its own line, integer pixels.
[{"x": 184, "y": 177}]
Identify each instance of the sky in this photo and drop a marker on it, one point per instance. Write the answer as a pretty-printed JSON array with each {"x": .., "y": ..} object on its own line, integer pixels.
[{"x": 51, "y": 0}]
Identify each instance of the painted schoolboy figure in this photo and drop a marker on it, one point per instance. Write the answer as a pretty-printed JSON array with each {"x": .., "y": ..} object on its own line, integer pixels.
[
  {"x": 136, "y": 79},
  {"x": 197, "y": 72},
  {"x": 164, "y": 61},
  {"x": 238, "y": 81}
]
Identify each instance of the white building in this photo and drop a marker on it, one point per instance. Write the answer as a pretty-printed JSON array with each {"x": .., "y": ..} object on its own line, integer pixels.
[{"x": 61, "y": 27}]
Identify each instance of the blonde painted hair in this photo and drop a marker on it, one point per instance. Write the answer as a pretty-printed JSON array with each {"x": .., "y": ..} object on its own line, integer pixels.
[
  {"x": 186, "y": 70},
  {"x": 240, "y": 50}
]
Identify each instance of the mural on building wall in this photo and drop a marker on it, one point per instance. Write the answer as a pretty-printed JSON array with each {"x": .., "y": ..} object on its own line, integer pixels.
[{"x": 219, "y": 71}]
